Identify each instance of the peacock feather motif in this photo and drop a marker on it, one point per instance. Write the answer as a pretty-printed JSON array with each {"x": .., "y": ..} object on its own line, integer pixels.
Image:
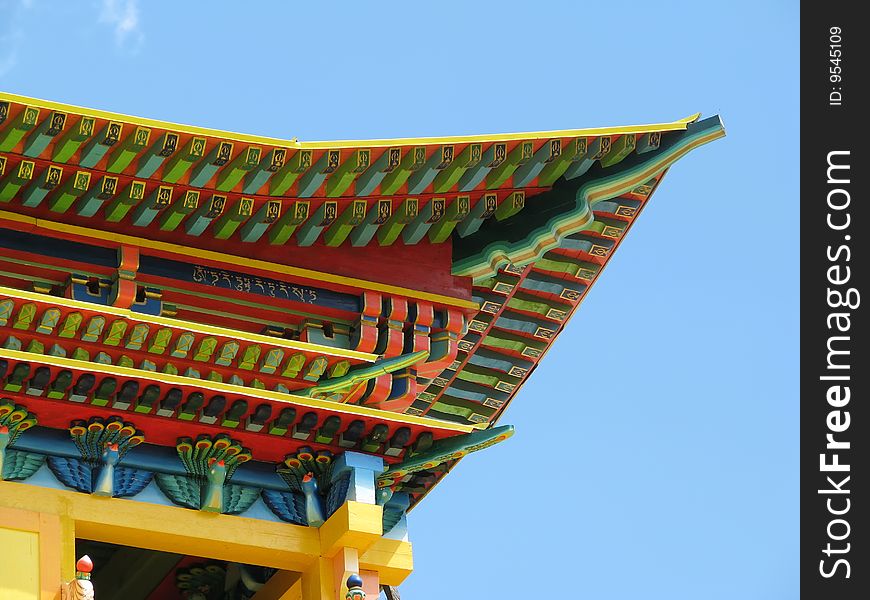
[
  {"x": 201, "y": 581},
  {"x": 15, "y": 420},
  {"x": 311, "y": 498},
  {"x": 102, "y": 443},
  {"x": 210, "y": 463}
]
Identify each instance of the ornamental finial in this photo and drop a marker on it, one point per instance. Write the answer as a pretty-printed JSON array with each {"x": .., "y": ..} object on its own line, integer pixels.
[
  {"x": 354, "y": 588},
  {"x": 81, "y": 587}
]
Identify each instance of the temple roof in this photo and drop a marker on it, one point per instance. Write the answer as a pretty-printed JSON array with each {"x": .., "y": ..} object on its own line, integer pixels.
[{"x": 498, "y": 236}]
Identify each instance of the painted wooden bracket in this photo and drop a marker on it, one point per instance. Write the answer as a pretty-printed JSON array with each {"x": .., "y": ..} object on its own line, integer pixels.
[
  {"x": 379, "y": 214},
  {"x": 351, "y": 168},
  {"x": 316, "y": 175},
  {"x": 68, "y": 143},
  {"x": 129, "y": 197},
  {"x": 100, "y": 144},
  {"x": 44, "y": 134},
  {"x": 203, "y": 216},
  {"x": 430, "y": 213},
  {"x": 352, "y": 216},
  {"x": 232, "y": 174},
  {"x": 271, "y": 163},
  {"x": 365, "y": 336},
  {"x": 412, "y": 161},
  {"x": 595, "y": 150},
  {"x": 573, "y": 151},
  {"x": 386, "y": 163},
  {"x": 284, "y": 227},
  {"x": 70, "y": 191},
  {"x": 163, "y": 148},
  {"x": 127, "y": 150},
  {"x": 520, "y": 155},
  {"x": 124, "y": 285},
  {"x": 16, "y": 179},
  {"x": 179, "y": 210},
  {"x": 287, "y": 175},
  {"x": 437, "y": 162},
  {"x": 546, "y": 154},
  {"x": 451, "y": 174},
  {"x": 205, "y": 170},
  {"x": 484, "y": 209},
  {"x": 406, "y": 213},
  {"x": 322, "y": 218},
  {"x": 146, "y": 212},
  {"x": 181, "y": 161},
  {"x": 257, "y": 225},
  {"x": 39, "y": 188},
  {"x": 18, "y": 127},
  {"x": 494, "y": 156},
  {"x": 92, "y": 200},
  {"x": 391, "y": 339},
  {"x": 443, "y": 345}
]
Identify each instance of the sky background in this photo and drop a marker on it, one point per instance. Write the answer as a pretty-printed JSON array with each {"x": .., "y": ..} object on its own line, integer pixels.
[{"x": 656, "y": 453}]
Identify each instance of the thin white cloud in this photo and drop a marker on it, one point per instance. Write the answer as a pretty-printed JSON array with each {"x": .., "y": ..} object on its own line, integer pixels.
[{"x": 123, "y": 17}]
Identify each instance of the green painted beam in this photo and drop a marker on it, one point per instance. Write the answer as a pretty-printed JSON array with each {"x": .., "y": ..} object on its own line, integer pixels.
[
  {"x": 596, "y": 149},
  {"x": 18, "y": 127},
  {"x": 129, "y": 197},
  {"x": 511, "y": 205},
  {"x": 226, "y": 224},
  {"x": 520, "y": 155},
  {"x": 257, "y": 225},
  {"x": 287, "y": 175},
  {"x": 649, "y": 142},
  {"x": 123, "y": 155},
  {"x": 93, "y": 199},
  {"x": 15, "y": 179},
  {"x": 284, "y": 227},
  {"x": 271, "y": 163},
  {"x": 181, "y": 161},
  {"x": 100, "y": 144},
  {"x": 352, "y": 216},
  {"x": 571, "y": 152},
  {"x": 386, "y": 163},
  {"x": 440, "y": 231},
  {"x": 365, "y": 231},
  {"x": 546, "y": 154},
  {"x": 482, "y": 210},
  {"x": 220, "y": 155},
  {"x": 622, "y": 147},
  {"x": 347, "y": 172},
  {"x": 70, "y": 191},
  {"x": 43, "y": 134},
  {"x": 203, "y": 216},
  {"x": 311, "y": 181},
  {"x": 412, "y": 161},
  {"x": 232, "y": 174},
  {"x": 34, "y": 194},
  {"x": 163, "y": 148},
  {"x": 179, "y": 210},
  {"x": 430, "y": 213},
  {"x": 492, "y": 157},
  {"x": 422, "y": 177},
  {"x": 69, "y": 143},
  {"x": 450, "y": 175},
  {"x": 389, "y": 231},
  {"x": 322, "y": 218},
  {"x": 156, "y": 201}
]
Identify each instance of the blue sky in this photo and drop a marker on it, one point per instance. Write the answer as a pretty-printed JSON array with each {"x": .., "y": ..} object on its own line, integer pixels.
[{"x": 656, "y": 452}]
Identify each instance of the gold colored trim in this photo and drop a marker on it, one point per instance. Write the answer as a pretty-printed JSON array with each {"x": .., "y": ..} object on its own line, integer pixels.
[
  {"x": 201, "y": 328},
  {"x": 188, "y": 252},
  {"x": 379, "y": 143},
  {"x": 226, "y": 388}
]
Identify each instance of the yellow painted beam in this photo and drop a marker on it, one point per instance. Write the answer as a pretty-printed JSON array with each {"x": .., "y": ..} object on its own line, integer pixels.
[
  {"x": 191, "y": 326},
  {"x": 55, "y": 548},
  {"x": 187, "y": 252},
  {"x": 392, "y": 559},
  {"x": 355, "y": 525},
  {"x": 283, "y": 585},
  {"x": 170, "y": 528},
  {"x": 294, "y": 143},
  {"x": 228, "y": 388}
]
